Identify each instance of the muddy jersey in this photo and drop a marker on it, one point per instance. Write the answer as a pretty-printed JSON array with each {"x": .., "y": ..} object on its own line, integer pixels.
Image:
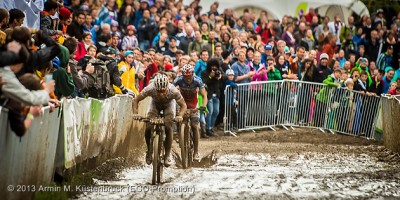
[
  {"x": 162, "y": 100},
  {"x": 189, "y": 91}
]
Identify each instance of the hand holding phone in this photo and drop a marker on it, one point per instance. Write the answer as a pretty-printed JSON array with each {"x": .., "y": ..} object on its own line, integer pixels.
[{"x": 48, "y": 77}]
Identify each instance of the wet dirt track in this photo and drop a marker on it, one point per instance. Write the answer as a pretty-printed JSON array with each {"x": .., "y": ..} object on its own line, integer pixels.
[{"x": 299, "y": 164}]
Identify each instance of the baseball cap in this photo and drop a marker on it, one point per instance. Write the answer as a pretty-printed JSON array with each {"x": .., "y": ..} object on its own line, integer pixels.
[
  {"x": 229, "y": 72},
  {"x": 173, "y": 38},
  {"x": 267, "y": 47},
  {"x": 129, "y": 53},
  {"x": 286, "y": 50},
  {"x": 324, "y": 56},
  {"x": 109, "y": 50},
  {"x": 389, "y": 68},
  {"x": 379, "y": 10}
]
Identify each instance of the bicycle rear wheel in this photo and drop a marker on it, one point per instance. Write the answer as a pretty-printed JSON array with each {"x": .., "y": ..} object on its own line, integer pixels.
[
  {"x": 182, "y": 145},
  {"x": 156, "y": 161}
]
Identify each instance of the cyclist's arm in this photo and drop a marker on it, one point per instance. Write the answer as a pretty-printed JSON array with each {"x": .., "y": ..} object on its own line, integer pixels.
[
  {"x": 203, "y": 93},
  {"x": 135, "y": 103},
  {"x": 182, "y": 105}
]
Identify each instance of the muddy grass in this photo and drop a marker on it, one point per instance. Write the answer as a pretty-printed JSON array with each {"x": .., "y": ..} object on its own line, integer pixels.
[{"x": 300, "y": 163}]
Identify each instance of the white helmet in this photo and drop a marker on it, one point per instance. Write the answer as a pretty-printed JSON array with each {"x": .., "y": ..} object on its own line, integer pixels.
[{"x": 161, "y": 81}]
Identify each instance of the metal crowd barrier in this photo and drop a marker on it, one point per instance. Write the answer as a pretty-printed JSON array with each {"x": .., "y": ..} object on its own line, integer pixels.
[
  {"x": 303, "y": 104},
  {"x": 352, "y": 112},
  {"x": 291, "y": 104},
  {"x": 251, "y": 106}
]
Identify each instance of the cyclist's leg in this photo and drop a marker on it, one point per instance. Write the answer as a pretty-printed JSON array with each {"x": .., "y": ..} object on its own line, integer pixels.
[
  {"x": 195, "y": 123},
  {"x": 169, "y": 115}
]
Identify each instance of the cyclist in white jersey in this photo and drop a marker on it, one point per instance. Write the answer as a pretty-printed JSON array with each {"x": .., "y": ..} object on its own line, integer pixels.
[{"x": 162, "y": 94}]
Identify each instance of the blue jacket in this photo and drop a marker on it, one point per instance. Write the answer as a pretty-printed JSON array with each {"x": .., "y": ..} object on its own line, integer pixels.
[{"x": 200, "y": 67}]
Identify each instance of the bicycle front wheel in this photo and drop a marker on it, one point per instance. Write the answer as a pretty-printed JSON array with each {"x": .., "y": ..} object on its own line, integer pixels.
[
  {"x": 156, "y": 161},
  {"x": 161, "y": 156},
  {"x": 188, "y": 146},
  {"x": 182, "y": 146}
]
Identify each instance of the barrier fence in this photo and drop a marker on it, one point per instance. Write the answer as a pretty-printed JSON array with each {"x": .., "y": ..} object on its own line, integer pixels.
[
  {"x": 77, "y": 131},
  {"x": 300, "y": 104}
]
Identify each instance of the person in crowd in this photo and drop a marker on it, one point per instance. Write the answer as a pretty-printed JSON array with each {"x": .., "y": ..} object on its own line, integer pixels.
[
  {"x": 126, "y": 18},
  {"x": 232, "y": 95},
  {"x": 242, "y": 75},
  {"x": 146, "y": 27},
  {"x": 76, "y": 28},
  {"x": 322, "y": 71},
  {"x": 385, "y": 58},
  {"x": 46, "y": 22},
  {"x": 128, "y": 74},
  {"x": 197, "y": 44},
  {"x": 172, "y": 50},
  {"x": 201, "y": 64},
  {"x": 212, "y": 77},
  {"x": 387, "y": 79},
  {"x": 83, "y": 45},
  {"x": 16, "y": 18},
  {"x": 130, "y": 41}
]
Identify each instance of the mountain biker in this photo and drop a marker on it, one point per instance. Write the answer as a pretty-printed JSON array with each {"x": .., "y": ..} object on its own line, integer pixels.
[
  {"x": 162, "y": 94},
  {"x": 189, "y": 86}
]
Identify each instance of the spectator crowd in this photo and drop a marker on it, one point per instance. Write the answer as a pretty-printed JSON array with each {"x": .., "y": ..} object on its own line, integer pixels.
[{"x": 99, "y": 48}]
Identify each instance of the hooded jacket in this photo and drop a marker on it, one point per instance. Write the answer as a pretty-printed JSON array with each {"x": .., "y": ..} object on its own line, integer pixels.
[{"x": 64, "y": 81}]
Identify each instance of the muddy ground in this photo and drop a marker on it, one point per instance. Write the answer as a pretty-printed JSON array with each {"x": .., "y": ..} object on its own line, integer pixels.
[{"x": 294, "y": 164}]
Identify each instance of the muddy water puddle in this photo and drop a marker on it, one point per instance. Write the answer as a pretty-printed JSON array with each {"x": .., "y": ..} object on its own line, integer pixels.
[{"x": 303, "y": 175}]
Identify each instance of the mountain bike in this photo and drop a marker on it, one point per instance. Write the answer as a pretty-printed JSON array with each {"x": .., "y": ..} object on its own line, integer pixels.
[
  {"x": 157, "y": 144},
  {"x": 186, "y": 140}
]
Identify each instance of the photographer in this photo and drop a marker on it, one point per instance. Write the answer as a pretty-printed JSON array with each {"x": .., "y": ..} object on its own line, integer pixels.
[{"x": 211, "y": 76}]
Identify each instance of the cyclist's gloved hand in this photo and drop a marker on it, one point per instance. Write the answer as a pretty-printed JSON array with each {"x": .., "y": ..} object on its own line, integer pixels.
[
  {"x": 136, "y": 117},
  {"x": 202, "y": 108},
  {"x": 178, "y": 119}
]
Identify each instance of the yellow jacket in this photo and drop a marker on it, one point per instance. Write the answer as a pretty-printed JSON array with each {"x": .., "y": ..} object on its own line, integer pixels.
[{"x": 127, "y": 78}]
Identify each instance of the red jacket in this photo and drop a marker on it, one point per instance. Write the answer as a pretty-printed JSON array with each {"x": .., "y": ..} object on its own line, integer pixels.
[
  {"x": 80, "y": 51},
  {"x": 150, "y": 71}
]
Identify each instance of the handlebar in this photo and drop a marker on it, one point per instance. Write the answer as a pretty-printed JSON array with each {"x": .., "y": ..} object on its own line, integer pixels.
[{"x": 148, "y": 119}]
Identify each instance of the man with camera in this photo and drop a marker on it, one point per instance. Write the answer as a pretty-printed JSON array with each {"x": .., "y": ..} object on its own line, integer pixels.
[{"x": 211, "y": 76}]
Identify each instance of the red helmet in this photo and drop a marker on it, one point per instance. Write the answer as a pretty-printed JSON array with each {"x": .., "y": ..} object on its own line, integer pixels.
[{"x": 187, "y": 70}]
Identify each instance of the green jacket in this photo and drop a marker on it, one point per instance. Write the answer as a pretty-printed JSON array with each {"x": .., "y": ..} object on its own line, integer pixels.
[
  {"x": 273, "y": 76},
  {"x": 323, "y": 95},
  {"x": 357, "y": 65},
  {"x": 64, "y": 82}
]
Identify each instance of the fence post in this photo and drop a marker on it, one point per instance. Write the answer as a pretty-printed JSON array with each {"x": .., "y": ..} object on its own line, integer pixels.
[{"x": 391, "y": 125}]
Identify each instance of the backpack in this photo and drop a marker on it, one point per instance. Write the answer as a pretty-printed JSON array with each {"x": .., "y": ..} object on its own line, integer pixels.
[{"x": 102, "y": 81}]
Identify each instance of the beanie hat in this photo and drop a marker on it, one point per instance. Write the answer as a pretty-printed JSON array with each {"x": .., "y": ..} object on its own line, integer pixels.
[{"x": 64, "y": 12}]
